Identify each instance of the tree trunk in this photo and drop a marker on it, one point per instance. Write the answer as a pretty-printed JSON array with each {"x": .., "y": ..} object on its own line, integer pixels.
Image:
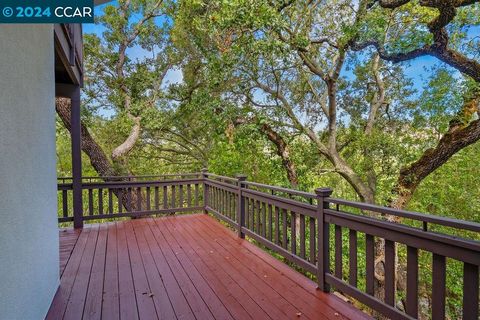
[
  {"x": 95, "y": 153},
  {"x": 458, "y": 136},
  {"x": 283, "y": 151}
]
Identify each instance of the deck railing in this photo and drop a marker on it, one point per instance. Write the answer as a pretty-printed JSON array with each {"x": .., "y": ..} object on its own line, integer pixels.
[
  {"x": 116, "y": 197},
  {"x": 312, "y": 231}
]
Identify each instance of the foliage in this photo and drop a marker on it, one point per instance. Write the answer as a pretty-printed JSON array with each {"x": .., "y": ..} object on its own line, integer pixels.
[{"x": 289, "y": 65}]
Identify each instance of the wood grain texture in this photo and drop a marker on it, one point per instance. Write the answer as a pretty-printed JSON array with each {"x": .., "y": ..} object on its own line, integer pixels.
[{"x": 180, "y": 267}]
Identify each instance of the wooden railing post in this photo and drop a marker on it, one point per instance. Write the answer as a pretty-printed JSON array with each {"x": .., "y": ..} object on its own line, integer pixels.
[
  {"x": 241, "y": 205},
  {"x": 205, "y": 190},
  {"x": 76, "y": 159},
  {"x": 323, "y": 237}
]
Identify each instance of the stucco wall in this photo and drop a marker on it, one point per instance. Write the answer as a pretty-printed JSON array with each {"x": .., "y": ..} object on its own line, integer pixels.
[{"x": 28, "y": 227}]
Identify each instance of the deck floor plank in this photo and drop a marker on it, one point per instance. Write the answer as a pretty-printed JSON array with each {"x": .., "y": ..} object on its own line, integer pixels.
[
  {"x": 197, "y": 304},
  {"x": 158, "y": 291},
  {"x": 78, "y": 297},
  {"x": 143, "y": 293},
  {"x": 204, "y": 291},
  {"x": 180, "y": 305},
  {"x": 93, "y": 304},
  {"x": 233, "y": 288},
  {"x": 111, "y": 300},
  {"x": 282, "y": 278},
  {"x": 59, "y": 304},
  {"x": 244, "y": 278},
  {"x": 251, "y": 277},
  {"x": 126, "y": 288},
  {"x": 180, "y": 267},
  {"x": 69, "y": 239},
  {"x": 229, "y": 301}
]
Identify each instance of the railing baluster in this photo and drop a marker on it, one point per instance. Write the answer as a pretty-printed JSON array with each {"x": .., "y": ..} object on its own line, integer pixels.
[
  {"x": 264, "y": 219},
  {"x": 129, "y": 200},
  {"x": 119, "y": 198},
  {"x": 197, "y": 195},
  {"x": 233, "y": 207},
  {"x": 100, "y": 201},
  {"x": 370, "y": 263},
  {"x": 277, "y": 225},
  {"x": 213, "y": 200},
  {"x": 390, "y": 272},
  {"x": 110, "y": 201},
  {"x": 302, "y": 236},
  {"x": 148, "y": 199},
  {"x": 338, "y": 252},
  {"x": 65, "y": 203},
  {"x": 174, "y": 202},
  {"x": 157, "y": 202},
  {"x": 470, "y": 291},
  {"x": 139, "y": 199},
  {"x": 257, "y": 217},
  {"x": 90, "y": 202},
  {"x": 165, "y": 197},
  {"x": 224, "y": 204},
  {"x": 189, "y": 195},
  {"x": 284, "y": 229},
  {"x": 438, "y": 287},
  {"x": 311, "y": 222},
  {"x": 247, "y": 212},
  {"x": 252, "y": 215},
  {"x": 352, "y": 257},
  {"x": 293, "y": 232},
  {"x": 412, "y": 282},
  {"x": 180, "y": 197},
  {"x": 269, "y": 226}
]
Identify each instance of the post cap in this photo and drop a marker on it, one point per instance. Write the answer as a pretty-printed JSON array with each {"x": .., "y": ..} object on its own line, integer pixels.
[
  {"x": 241, "y": 177},
  {"x": 323, "y": 192}
]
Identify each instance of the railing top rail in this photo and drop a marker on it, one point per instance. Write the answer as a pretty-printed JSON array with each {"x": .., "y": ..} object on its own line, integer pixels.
[
  {"x": 280, "y": 189},
  {"x": 444, "y": 221},
  {"x": 194, "y": 174},
  {"x": 140, "y": 183},
  {"x": 225, "y": 178}
]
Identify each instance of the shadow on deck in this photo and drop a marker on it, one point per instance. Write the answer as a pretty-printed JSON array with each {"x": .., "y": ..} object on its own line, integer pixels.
[{"x": 180, "y": 267}]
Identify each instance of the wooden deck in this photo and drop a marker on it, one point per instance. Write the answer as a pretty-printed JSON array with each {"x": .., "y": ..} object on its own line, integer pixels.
[{"x": 180, "y": 267}]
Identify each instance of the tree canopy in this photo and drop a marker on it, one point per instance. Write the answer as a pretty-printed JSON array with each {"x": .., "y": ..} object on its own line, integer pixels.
[{"x": 294, "y": 93}]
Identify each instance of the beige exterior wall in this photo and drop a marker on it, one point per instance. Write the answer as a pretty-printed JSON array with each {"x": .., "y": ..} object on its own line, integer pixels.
[{"x": 29, "y": 263}]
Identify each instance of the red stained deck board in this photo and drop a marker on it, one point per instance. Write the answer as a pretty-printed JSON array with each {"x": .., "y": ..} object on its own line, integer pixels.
[
  {"x": 180, "y": 267},
  {"x": 229, "y": 301},
  {"x": 111, "y": 300},
  {"x": 313, "y": 302},
  {"x": 252, "y": 308},
  {"x": 263, "y": 300},
  {"x": 158, "y": 291},
  {"x": 197, "y": 304},
  {"x": 205, "y": 299}
]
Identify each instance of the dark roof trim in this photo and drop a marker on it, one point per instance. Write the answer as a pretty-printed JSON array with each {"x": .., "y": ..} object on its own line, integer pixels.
[{"x": 99, "y": 2}]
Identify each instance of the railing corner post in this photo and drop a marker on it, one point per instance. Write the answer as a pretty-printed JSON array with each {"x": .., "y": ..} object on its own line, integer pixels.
[
  {"x": 323, "y": 237},
  {"x": 241, "y": 205},
  {"x": 205, "y": 190}
]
